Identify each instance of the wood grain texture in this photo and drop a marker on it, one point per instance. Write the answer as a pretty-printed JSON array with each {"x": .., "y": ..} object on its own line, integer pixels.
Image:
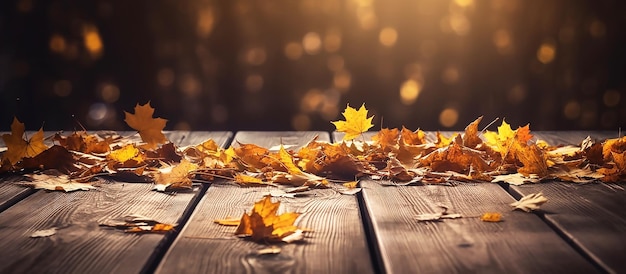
[
  {"x": 80, "y": 245},
  {"x": 522, "y": 243},
  {"x": 592, "y": 216},
  {"x": 337, "y": 245}
]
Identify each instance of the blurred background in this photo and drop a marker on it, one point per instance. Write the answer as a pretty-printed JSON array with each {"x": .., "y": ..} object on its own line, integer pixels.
[{"x": 296, "y": 64}]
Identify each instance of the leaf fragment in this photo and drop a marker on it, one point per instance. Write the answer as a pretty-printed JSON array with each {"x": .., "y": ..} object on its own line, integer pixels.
[
  {"x": 530, "y": 202},
  {"x": 491, "y": 217}
]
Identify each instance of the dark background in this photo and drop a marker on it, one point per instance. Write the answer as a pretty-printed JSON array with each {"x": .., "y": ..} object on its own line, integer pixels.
[{"x": 295, "y": 64}]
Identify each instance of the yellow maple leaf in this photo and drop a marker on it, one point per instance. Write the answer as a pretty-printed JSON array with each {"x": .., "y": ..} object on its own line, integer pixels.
[
  {"x": 287, "y": 160},
  {"x": 500, "y": 141},
  {"x": 126, "y": 153},
  {"x": 150, "y": 129},
  {"x": 17, "y": 147},
  {"x": 355, "y": 124},
  {"x": 264, "y": 224}
]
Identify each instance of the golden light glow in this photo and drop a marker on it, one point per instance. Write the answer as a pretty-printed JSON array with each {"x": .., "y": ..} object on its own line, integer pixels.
[
  {"x": 301, "y": 122},
  {"x": 464, "y": 3},
  {"x": 409, "y": 91},
  {"x": 597, "y": 29},
  {"x": 189, "y": 85},
  {"x": 312, "y": 43},
  {"x": 92, "y": 41},
  {"x": 335, "y": 63},
  {"x": 449, "y": 117},
  {"x": 62, "y": 88},
  {"x": 572, "y": 110},
  {"x": 256, "y": 56},
  {"x": 109, "y": 93},
  {"x": 206, "y": 20},
  {"x": 57, "y": 43},
  {"x": 450, "y": 75},
  {"x": 342, "y": 80},
  {"x": 254, "y": 83},
  {"x": 332, "y": 41},
  {"x": 367, "y": 17},
  {"x": 165, "y": 77},
  {"x": 312, "y": 100},
  {"x": 611, "y": 98},
  {"x": 219, "y": 114},
  {"x": 546, "y": 52},
  {"x": 516, "y": 95},
  {"x": 459, "y": 24},
  {"x": 388, "y": 37},
  {"x": 293, "y": 50},
  {"x": 502, "y": 41}
]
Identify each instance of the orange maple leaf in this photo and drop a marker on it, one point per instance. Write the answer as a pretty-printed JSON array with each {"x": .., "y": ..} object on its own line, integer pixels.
[
  {"x": 150, "y": 129},
  {"x": 355, "y": 124},
  {"x": 17, "y": 147},
  {"x": 386, "y": 137},
  {"x": 264, "y": 224}
]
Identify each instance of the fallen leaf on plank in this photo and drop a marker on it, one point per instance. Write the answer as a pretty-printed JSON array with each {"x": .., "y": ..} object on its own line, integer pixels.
[
  {"x": 268, "y": 250},
  {"x": 516, "y": 179},
  {"x": 44, "y": 233},
  {"x": 435, "y": 217},
  {"x": 228, "y": 221},
  {"x": 530, "y": 202},
  {"x": 139, "y": 224},
  {"x": 491, "y": 217},
  {"x": 55, "y": 181}
]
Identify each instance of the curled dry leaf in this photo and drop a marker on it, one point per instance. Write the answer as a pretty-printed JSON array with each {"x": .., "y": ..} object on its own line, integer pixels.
[
  {"x": 530, "y": 202},
  {"x": 492, "y": 217}
]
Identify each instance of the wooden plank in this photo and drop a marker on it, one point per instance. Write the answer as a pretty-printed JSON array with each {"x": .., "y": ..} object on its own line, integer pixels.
[
  {"x": 80, "y": 245},
  {"x": 522, "y": 243},
  {"x": 337, "y": 245},
  {"x": 591, "y": 216}
]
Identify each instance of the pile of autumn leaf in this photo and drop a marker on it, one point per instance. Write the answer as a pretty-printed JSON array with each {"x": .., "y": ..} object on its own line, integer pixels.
[{"x": 396, "y": 155}]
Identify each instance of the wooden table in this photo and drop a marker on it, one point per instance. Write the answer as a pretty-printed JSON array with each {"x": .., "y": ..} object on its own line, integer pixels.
[{"x": 581, "y": 229}]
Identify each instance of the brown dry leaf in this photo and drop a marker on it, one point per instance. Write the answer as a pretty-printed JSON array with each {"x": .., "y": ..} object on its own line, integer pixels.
[
  {"x": 17, "y": 147},
  {"x": 56, "y": 157},
  {"x": 83, "y": 142},
  {"x": 533, "y": 159},
  {"x": 355, "y": 124},
  {"x": 530, "y": 202},
  {"x": 175, "y": 176},
  {"x": 470, "y": 137},
  {"x": 386, "y": 138},
  {"x": 408, "y": 137},
  {"x": 150, "y": 129},
  {"x": 492, "y": 217},
  {"x": 255, "y": 158},
  {"x": 264, "y": 224},
  {"x": 456, "y": 158},
  {"x": 54, "y": 181}
]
